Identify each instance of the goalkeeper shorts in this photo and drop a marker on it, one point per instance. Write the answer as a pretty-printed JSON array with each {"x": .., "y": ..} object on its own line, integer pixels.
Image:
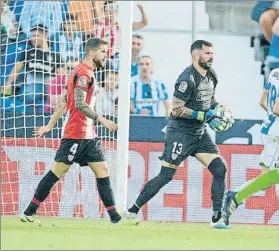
[{"x": 179, "y": 146}]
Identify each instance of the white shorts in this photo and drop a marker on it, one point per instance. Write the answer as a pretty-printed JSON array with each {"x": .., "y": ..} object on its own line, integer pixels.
[{"x": 270, "y": 154}]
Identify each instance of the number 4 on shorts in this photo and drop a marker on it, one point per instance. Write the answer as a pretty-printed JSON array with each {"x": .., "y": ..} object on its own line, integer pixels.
[{"x": 73, "y": 149}]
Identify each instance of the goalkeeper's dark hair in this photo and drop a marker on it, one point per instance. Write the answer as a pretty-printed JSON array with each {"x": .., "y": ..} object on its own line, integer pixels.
[
  {"x": 94, "y": 44},
  {"x": 198, "y": 44}
]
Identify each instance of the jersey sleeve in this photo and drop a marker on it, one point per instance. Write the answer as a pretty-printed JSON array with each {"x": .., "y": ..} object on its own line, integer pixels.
[
  {"x": 162, "y": 91},
  {"x": 82, "y": 80},
  {"x": 183, "y": 90}
]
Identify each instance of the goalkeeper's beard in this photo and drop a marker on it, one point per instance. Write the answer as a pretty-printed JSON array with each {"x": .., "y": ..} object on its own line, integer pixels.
[{"x": 205, "y": 65}]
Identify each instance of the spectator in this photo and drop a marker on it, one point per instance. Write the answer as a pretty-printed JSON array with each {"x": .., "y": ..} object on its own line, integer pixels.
[
  {"x": 39, "y": 63},
  {"x": 11, "y": 45},
  {"x": 109, "y": 28},
  {"x": 137, "y": 46},
  {"x": 8, "y": 21},
  {"x": 87, "y": 14},
  {"x": 57, "y": 84},
  {"x": 144, "y": 20},
  {"x": 11, "y": 26},
  {"x": 68, "y": 42},
  {"x": 147, "y": 92},
  {"x": 45, "y": 13},
  {"x": 274, "y": 46},
  {"x": 266, "y": 13},
  {"x": 4, "y": 34},
  {"x": 16, "y": 7},
  {"x": 106, "y": 95},
  {"x": 9, "y": 55}
]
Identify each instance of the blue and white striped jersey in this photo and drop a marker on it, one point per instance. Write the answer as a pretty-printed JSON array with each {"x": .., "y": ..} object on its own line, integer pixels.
[
  {"x": 148, "y": 96},
  {"x": 271, "y": 125}
]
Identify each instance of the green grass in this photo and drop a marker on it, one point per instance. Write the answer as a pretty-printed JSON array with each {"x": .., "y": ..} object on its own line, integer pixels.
[{"x": 80, "y": 234}]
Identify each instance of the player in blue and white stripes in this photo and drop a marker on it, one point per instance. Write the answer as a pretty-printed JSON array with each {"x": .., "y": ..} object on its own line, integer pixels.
[
  {"x": 269, "y": 159},
  {"x": 147, "y": 92}
]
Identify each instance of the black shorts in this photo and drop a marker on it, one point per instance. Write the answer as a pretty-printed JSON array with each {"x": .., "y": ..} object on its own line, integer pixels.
[
  {"x": 179, "y": 146},
  {"x": 80, "y": 151}
]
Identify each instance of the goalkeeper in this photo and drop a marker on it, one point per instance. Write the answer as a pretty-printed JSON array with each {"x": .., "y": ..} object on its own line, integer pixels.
[{"x": 192, "y": 106}]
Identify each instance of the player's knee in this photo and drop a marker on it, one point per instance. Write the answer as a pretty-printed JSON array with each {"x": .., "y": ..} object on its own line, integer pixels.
[
  {"x": 100, "y": 169},
  {"x": 218, "y": 167},
  {"x": 103, "y": 171},
  {"x": 60, "y": 169},
  {"x": 167, "y": 174}
]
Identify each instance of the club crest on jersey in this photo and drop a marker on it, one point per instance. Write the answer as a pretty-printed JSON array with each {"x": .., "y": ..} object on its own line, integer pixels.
[
  {"x": 82, "y": 82},
  {"x": 70, "y": 157},
  {"x": 174, "y": 156},
  {"x": 183, "y": 86}
]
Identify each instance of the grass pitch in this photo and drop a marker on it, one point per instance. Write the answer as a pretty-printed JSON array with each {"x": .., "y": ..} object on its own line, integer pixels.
[{"x": 85, "y": 234}]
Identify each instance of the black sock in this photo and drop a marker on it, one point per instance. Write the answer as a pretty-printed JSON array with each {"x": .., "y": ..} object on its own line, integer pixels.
[
  {"x": 107, "y": 197},
  {"x": 42, "y": 191},
  {"x": 153, "y": 187},
  {"x": 218, "y": 169},
  {"x": 134, "y": 209}
]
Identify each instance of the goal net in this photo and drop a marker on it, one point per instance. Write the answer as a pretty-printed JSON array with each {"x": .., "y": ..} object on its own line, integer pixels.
[
  {"x": 39, "y": 49},
  {"x": 41, "y": 43}
]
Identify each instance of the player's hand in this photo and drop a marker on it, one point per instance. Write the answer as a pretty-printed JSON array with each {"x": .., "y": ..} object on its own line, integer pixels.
[
  {"x": 145, "y": 112},
  {"x": 41, "y": 131},
  {"x": 140, "y": 7},
  {"x": 214, "y": 121},
  {"x": 217, "y": 125},
  {"x": 110, "y": 125}
]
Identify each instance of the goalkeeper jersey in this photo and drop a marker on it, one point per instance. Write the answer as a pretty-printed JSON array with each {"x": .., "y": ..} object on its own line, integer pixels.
[
  {"x": 76, "y": 124},
  {"x": 198, "y": 93}
]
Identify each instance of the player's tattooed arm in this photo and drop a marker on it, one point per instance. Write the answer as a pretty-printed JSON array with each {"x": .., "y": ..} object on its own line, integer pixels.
[
  {"x": 180, "y": 110},
  {"x": 81, "y": 105},
  {"x": 65, "y": 95},
  {"x": 80, "y": 96}
]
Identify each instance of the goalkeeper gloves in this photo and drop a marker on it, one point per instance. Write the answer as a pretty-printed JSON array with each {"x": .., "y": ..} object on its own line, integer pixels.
[{"x": 214, "y": 121}]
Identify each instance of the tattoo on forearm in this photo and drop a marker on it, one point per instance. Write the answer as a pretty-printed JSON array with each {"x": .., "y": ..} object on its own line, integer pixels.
[
  {"x": 57, "y": 108},
  {"x": 179, "y": 109},
  {"x": 182, "y": 112},
  {"x": 65, "y": 96},
  {"x": 82, "y": 106}
]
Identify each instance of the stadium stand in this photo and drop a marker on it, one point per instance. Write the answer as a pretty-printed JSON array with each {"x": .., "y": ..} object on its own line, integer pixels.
[{"x": 265, "y": 41}]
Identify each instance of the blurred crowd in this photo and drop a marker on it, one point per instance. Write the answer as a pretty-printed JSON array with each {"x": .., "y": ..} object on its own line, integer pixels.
[
  {"x": 266, "y": 42},
  {"x": 43, "y": 41}
]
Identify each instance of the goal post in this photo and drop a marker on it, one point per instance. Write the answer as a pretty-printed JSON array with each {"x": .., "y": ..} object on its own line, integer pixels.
[{"x": 126, "y": 23}]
